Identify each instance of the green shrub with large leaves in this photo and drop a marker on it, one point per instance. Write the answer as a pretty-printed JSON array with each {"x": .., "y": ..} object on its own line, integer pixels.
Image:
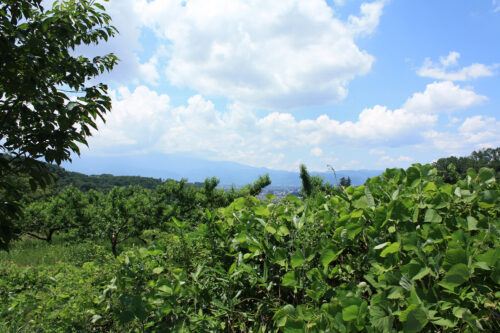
[{"x": 405, "y": 252}]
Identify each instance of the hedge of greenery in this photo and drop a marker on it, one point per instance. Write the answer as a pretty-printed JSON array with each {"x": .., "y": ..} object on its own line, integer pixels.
[{"x": 403, "y": 253}]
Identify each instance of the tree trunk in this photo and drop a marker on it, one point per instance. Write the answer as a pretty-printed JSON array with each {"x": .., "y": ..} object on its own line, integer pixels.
[
  {"x": 49, "y": 236},
  {"x": 114, "y": 241}
]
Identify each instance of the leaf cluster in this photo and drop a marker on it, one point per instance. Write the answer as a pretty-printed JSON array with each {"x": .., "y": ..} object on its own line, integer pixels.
[
  {"x": 405, "y": 252},
  {"x": 48, "y": 105}
]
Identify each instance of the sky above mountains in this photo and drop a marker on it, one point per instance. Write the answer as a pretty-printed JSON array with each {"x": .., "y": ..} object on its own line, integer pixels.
[{"x": 353, "y": 84}]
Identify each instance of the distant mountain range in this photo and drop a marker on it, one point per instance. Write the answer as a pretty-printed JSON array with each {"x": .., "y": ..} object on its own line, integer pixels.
[{"x": 176, "y": 166}]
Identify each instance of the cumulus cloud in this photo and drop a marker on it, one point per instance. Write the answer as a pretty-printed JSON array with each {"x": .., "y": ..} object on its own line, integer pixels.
[
  {"x": 474, "y": 133},
  {"x": 144, "y": 120},
  {"x": 137, "y": 119},
  {"x": 148, "y": 71},
  {"x": 443, "y": 97},
  {"x": 270, "y": 54},
  {"x": 389, "y": 161},
  {"x": 369, "y": 19},
  {"x": 440, "y": 71},
  {"x": 317, "y": 152},
  {"x": 375, "y": 151},
  {"x": 482, "y": 131}
]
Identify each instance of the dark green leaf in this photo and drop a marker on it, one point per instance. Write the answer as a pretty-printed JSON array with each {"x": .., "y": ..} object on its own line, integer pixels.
[{"x": 455, "y": 276}]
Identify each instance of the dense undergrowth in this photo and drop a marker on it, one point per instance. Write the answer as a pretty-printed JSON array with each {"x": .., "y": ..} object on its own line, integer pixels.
[{"x": 406, "y": 252}]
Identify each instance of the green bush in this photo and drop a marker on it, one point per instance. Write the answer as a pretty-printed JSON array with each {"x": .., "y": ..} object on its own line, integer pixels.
[{"x": 405, "y": 252}]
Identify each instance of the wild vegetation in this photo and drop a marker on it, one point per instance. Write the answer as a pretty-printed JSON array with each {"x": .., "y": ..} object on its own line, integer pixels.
[
  {"x": 410, "y": 250},
  {"x": 405, "y": 252}
]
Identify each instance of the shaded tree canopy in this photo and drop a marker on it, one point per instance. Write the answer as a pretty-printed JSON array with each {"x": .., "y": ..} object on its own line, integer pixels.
[{"x": 47, "y": 104}]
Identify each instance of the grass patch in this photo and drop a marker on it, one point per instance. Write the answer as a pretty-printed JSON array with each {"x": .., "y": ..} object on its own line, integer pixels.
[{"x": 34, "y": 252}]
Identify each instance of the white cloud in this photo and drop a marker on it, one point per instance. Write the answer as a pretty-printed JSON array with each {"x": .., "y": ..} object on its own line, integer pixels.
[
  {"x": 137, "y": 119},
  {"x": 450, "y": 60},
  {"x": 271, "y": 54},
  {"x": 435, "y": 71},
  {"x": 317, "y": 152},
  {"x": 144, "y": 120},
  {"x": 443, "y": 97},
  {"x": 352, "y": 164},
  {"x": 403, "y": 158},
  {"x": 369, "y": 19},
  {"x": 482, "y": 131},
  {"x": 474, "y": 133},
  {"x": 375, "y": 151},
  {"x": 388, "y": 161},
  {"x": 496, "y": 6},
  {"x": 149, "y": 72}
]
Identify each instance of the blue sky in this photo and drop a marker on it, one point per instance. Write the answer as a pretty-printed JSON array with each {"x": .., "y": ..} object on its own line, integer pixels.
[{"x": 354, "y": 84}]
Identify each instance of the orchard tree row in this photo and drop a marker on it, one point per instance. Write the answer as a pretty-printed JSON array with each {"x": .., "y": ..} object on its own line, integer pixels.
[{"x": 123, "y": 212}]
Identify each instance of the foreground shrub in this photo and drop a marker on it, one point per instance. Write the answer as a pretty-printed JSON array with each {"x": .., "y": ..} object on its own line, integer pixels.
[{"x": 405, "y": 252}]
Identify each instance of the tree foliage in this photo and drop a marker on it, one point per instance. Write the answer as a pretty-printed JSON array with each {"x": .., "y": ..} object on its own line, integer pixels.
[
  {"x": 345, "y": 182},
  {"x": 47, "y": 105},
  {"x": 454, "y": 168}
]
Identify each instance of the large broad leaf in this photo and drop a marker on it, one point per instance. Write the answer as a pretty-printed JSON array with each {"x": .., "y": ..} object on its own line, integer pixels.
[
  {"x": 455, "y": 276},
  {"x": 430, "y": 187},
  {"x": 288, "y": 279},
  {"x": 381, "y": 318},
  {"x": 432, "y": 216},
  {"x": 495, "y": 274},
  {"x": 413, "y": 176},
  {"x": 414, "y": 318},
  {"x": 490, "y": 257},
  {"x": 328, "y": 255},
  {"x": 350, "y": 313},
  {"x": 489, "y": 196},
  {"x": 422, "y": 273},
  {"x": 283, "y": 231},
  {"x": 472, "y": 223},
  {"x": 454, "y": 255},
  {"x": 444, "y": 322},
  {"x": 369, "y": 198},
  {"x": 393, "y": 248},
  {"x": 360, "y": 203},
  {"x": 280, "y": 256},
  {"x": 270, "y": 228},
  {"x": 399, "y": 212},
  {"x": 293, "y": 325},
  {"x": 396, "y": 293},
  {"x": 262, "y": 211},
  {"x": 297, "y": 259},
  {"x": 486, "y": 175}
]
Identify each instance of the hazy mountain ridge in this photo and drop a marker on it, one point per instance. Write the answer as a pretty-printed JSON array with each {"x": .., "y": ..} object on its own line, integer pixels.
[{"x": 176, "y": 166}]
